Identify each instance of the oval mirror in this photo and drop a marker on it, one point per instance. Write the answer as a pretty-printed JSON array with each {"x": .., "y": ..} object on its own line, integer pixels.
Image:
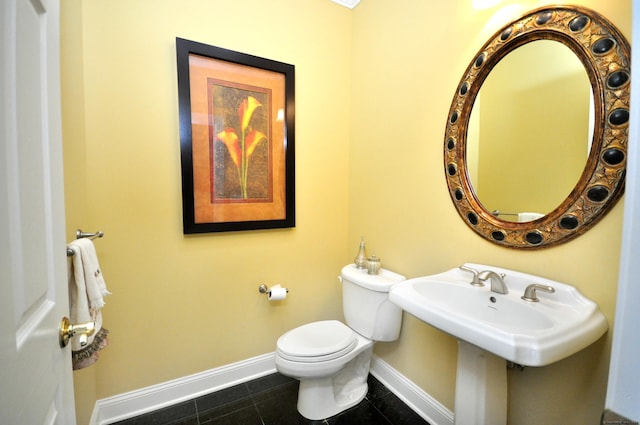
[
  {"x": 536, "y": 139},
  {"x": 555, "y": 95}
]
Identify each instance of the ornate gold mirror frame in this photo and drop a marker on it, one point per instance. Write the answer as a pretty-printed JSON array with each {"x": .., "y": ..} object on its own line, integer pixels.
[{"x": 605, "y": 54}]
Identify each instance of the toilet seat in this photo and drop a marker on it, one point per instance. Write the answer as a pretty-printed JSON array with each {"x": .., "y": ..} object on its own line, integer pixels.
[{"x": 317, "y": 342}]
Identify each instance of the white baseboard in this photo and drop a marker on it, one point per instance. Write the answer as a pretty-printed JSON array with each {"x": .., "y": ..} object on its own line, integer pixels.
[
  {"x": 137, "y": 402},
  {"x": 134, "y": 403},
  {"x": 412, "y": 395}
]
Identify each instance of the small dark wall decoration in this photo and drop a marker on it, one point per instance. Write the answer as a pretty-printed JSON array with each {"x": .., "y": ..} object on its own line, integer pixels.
[{"x": 237, "y": 140}]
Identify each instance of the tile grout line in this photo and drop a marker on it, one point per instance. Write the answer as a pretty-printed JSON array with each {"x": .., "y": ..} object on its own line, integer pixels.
[{"x": 253, "y": 402}]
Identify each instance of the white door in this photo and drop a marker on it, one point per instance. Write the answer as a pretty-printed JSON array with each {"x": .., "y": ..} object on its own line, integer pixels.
[
  {"x": 623, "y": 390},
  {"x": 35, "y": 373}
]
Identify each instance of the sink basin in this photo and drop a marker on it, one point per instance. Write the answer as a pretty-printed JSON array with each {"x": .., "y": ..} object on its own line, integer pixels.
[{"x": 526, "y": 333}]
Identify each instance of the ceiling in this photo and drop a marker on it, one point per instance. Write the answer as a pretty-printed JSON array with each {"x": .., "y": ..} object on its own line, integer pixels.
[{"x": 348, "y": 3}]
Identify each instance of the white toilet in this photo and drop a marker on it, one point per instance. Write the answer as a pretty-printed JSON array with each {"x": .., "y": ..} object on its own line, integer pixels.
[{"x": 331, "y": 359}]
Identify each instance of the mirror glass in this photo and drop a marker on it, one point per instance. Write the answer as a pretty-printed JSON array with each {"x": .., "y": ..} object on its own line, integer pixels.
[
  {"x": 530, "y": 131},
  {"x": 536, "y": 137}
]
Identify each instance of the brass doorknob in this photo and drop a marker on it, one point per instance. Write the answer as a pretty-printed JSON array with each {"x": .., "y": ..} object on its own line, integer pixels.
[{"x": 82, "y": 330}]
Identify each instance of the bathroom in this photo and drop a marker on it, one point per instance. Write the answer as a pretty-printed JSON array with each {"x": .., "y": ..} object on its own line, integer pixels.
[{"x": 373, "y": 87}]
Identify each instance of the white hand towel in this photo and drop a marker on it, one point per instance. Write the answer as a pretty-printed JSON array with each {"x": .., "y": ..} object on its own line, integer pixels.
[
  {"x": 87, "y": 290},
  {"x": 87, "y": 273}
]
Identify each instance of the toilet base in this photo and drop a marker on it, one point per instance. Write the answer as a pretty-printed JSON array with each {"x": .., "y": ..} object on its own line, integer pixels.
[{"x": 320, "y": 398}]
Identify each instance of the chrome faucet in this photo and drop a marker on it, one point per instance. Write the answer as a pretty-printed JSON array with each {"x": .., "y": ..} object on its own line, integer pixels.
[{"x": 497, "y": 281}]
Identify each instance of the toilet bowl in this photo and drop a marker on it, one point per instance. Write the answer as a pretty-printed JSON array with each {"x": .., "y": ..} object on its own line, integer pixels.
[{"x": 331, "y": 359}]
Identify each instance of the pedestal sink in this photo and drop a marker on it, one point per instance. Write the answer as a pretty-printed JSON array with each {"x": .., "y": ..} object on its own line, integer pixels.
[{"x": 493, "y": 328}]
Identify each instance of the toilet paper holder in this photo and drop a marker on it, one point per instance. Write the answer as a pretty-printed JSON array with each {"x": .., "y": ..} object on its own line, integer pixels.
[{"x": 264, "y": 289}]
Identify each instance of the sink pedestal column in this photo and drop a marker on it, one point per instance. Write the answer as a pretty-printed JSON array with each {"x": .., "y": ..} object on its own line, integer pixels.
[{"x": 481, "y": 387}]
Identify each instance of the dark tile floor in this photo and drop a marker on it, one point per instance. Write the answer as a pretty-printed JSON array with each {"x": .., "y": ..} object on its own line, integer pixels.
[{"x": 271, "y": 400}]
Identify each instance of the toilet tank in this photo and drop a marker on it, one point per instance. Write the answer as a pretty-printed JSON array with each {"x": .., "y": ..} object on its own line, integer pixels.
[{"x": 366, "y": 305}]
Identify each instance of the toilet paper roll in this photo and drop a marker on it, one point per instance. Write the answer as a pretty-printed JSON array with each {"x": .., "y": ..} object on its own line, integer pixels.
[{"x": 277, "y": 293}]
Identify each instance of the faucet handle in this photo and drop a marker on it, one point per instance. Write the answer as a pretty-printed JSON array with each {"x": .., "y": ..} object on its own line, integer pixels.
[
  {"x": 530, "y": 292},
  {"x": 475, "y": 281}
]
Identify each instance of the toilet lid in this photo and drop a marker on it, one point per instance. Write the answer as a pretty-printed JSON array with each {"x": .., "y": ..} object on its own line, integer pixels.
[{"x": 317, "y": 341}]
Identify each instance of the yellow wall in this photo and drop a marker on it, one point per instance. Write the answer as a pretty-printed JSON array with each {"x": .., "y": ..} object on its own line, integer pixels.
[
  {"x": 184, "y": 304},
  {"x": 408, "y": 59},
  {"x": 373, "y": 87}
]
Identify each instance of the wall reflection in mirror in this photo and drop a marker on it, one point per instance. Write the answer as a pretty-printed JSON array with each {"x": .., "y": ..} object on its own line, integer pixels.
[{"x": 530, "y": 131}]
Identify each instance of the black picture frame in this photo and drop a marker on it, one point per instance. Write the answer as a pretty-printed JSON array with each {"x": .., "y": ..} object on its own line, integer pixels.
[{"x": 244, "y": 106}]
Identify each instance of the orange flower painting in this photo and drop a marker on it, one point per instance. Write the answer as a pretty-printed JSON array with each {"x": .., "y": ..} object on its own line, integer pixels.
[
  {"x": 237, "y": 140},
  {"x": 239, "y": 132}
]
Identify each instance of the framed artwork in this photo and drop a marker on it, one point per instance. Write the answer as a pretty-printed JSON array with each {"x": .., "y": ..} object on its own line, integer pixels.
[{"x": 237, "y": 140}]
